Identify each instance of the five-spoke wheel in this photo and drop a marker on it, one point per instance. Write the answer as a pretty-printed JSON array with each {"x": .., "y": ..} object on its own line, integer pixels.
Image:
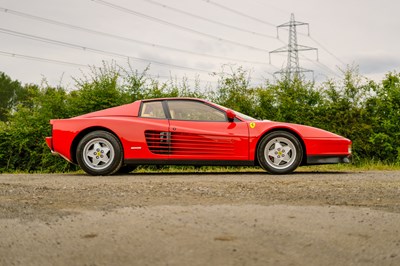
[
  {"x": 99, "y": 153},
  {"x": 279, "y": 152}
]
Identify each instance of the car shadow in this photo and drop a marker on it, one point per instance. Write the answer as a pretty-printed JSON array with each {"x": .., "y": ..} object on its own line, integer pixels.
[{"x": 232, "y": 173}]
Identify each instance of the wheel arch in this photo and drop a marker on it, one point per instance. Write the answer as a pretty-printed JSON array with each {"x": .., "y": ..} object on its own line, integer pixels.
[
  {"x": 83, "y": 133},
  {"x": 296, "y": 134}
]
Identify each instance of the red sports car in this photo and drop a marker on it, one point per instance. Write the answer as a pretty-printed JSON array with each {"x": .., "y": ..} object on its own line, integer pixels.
[{"x": 187, "y": 131}]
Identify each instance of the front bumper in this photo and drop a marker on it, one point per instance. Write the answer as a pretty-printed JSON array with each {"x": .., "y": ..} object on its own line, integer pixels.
[{"x": 328, "y": 159}]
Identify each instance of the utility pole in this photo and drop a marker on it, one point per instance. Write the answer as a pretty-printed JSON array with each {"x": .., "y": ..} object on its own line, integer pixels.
[{"x": 292, "y": 69}]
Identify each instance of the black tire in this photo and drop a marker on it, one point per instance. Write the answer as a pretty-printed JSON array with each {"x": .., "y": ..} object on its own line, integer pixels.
[
  {"x": 279, "y": 152},
  {"x": 100, "y": 153}
]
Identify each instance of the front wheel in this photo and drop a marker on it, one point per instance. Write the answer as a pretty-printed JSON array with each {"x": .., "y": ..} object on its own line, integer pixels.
[
  {"x": 279, "y": 152},
  {"x": 99, "y": 153}
]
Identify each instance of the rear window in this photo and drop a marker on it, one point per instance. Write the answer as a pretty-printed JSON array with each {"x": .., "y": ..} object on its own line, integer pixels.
[{"x": 152, "y": 110}]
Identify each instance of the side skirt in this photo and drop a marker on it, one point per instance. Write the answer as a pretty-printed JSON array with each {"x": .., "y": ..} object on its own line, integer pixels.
[{"x": 189, "y": 162}]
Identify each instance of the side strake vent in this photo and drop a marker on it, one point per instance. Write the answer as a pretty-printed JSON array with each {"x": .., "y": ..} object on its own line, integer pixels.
[
  {"x": 158, "y": 141},
  {"x": 176, "y": 143},
  {"x": 201, "y": 144}
]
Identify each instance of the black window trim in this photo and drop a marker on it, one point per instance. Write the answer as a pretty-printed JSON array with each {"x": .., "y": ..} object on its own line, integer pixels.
[
  {"x": 167, "y": 113},
  {"x": 201, "y": 102},
  {"x": 149, "y": 101}
]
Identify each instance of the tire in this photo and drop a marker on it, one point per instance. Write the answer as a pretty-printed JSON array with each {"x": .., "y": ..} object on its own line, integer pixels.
[
  {"x": 279, "y": 152},
  {"x": 100, "y": 153}
]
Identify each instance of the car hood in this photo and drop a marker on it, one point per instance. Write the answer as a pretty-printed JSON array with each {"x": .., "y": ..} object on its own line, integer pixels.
[{"x": 302, "y": 130}]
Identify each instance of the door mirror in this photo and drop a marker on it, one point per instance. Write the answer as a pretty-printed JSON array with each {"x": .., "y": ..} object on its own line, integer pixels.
[{"x": 231, "y": 115}]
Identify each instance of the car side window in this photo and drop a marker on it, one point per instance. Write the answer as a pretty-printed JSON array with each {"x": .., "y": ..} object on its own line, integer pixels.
[
  {"x": 195, "y": 111},
  {"x": 152, "y": 110}
]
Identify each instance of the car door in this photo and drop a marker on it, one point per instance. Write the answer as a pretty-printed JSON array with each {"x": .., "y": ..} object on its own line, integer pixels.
[{"x": 199, "y": 131}]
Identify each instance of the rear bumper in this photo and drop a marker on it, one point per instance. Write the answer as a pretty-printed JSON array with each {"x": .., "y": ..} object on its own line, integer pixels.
[
  {"x": 49, "y": 142},
  {"x": 328, "y": 159}
]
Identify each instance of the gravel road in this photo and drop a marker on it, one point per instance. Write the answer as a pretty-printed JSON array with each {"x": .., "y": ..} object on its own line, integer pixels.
[{"x": 251, "y": 218}]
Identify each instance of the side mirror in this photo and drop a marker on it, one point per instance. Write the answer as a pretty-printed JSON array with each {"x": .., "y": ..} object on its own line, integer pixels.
[{"x": 231, "y": 115}]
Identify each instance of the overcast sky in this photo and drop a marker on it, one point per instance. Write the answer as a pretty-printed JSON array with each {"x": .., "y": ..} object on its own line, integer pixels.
[{"x": 193, "y": 38}]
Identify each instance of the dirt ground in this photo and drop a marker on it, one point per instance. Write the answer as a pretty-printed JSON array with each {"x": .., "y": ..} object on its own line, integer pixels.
[{"x": 251, "y": 218}]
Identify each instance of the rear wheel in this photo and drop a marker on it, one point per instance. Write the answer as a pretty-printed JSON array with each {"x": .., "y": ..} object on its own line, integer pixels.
[
  {"x": 279, "y": 152},
  {"x": 100, "y": 153}
]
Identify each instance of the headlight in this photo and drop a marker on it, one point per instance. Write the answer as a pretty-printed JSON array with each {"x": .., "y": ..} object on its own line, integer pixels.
[{"x": 349, "y": 149}]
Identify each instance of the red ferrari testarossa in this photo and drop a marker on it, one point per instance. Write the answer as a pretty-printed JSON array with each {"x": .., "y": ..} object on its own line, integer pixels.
[{"x": 187, "y": 131}]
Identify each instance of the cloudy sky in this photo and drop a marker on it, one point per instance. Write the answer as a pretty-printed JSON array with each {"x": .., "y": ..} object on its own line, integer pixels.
[{"x": 59, "y": 39}]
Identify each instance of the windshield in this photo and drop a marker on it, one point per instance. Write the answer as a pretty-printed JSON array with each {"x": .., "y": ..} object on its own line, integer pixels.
[
  {"x": 239, "y": 114},
  {"x": 245, "y": 117}
]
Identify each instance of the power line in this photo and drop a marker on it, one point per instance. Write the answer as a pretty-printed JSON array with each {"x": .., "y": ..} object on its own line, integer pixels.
[
  {"x": 271, "y": 24},
  {"x": 175, "y": 78},
  {"x": 326, "y": 50},
  {"x": 210, "y": 20},
  {"x": 322, "y": 46},
  {"x": 41, "y": 59},
  {"x": 263, "y": 4},
  {"x": 135, "y": 13},
  {"x": 320, "y": 65},
  {"x": 239, "y": 13},
  {"x": 93, "y": 50},
  {"x": 293, "y": 48},
  {"x": 99, "y": 33},
  {"x": 60, "y": 62}
]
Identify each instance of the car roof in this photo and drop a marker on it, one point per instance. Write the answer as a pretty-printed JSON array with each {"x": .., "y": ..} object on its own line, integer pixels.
[{"x": 175, "y": 98}]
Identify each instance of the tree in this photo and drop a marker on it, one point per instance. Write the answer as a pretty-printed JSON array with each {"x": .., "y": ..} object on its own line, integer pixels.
[
  {"x": 384, "y": 109},
  {"x": 9, "y": 90}
]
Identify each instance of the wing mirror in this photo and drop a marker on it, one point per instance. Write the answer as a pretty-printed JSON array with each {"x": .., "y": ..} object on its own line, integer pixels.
[{"x": 231, "y": 115}]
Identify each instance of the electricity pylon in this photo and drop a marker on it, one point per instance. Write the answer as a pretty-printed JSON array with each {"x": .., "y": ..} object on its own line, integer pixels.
[{"x": 292, "y": 69}]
